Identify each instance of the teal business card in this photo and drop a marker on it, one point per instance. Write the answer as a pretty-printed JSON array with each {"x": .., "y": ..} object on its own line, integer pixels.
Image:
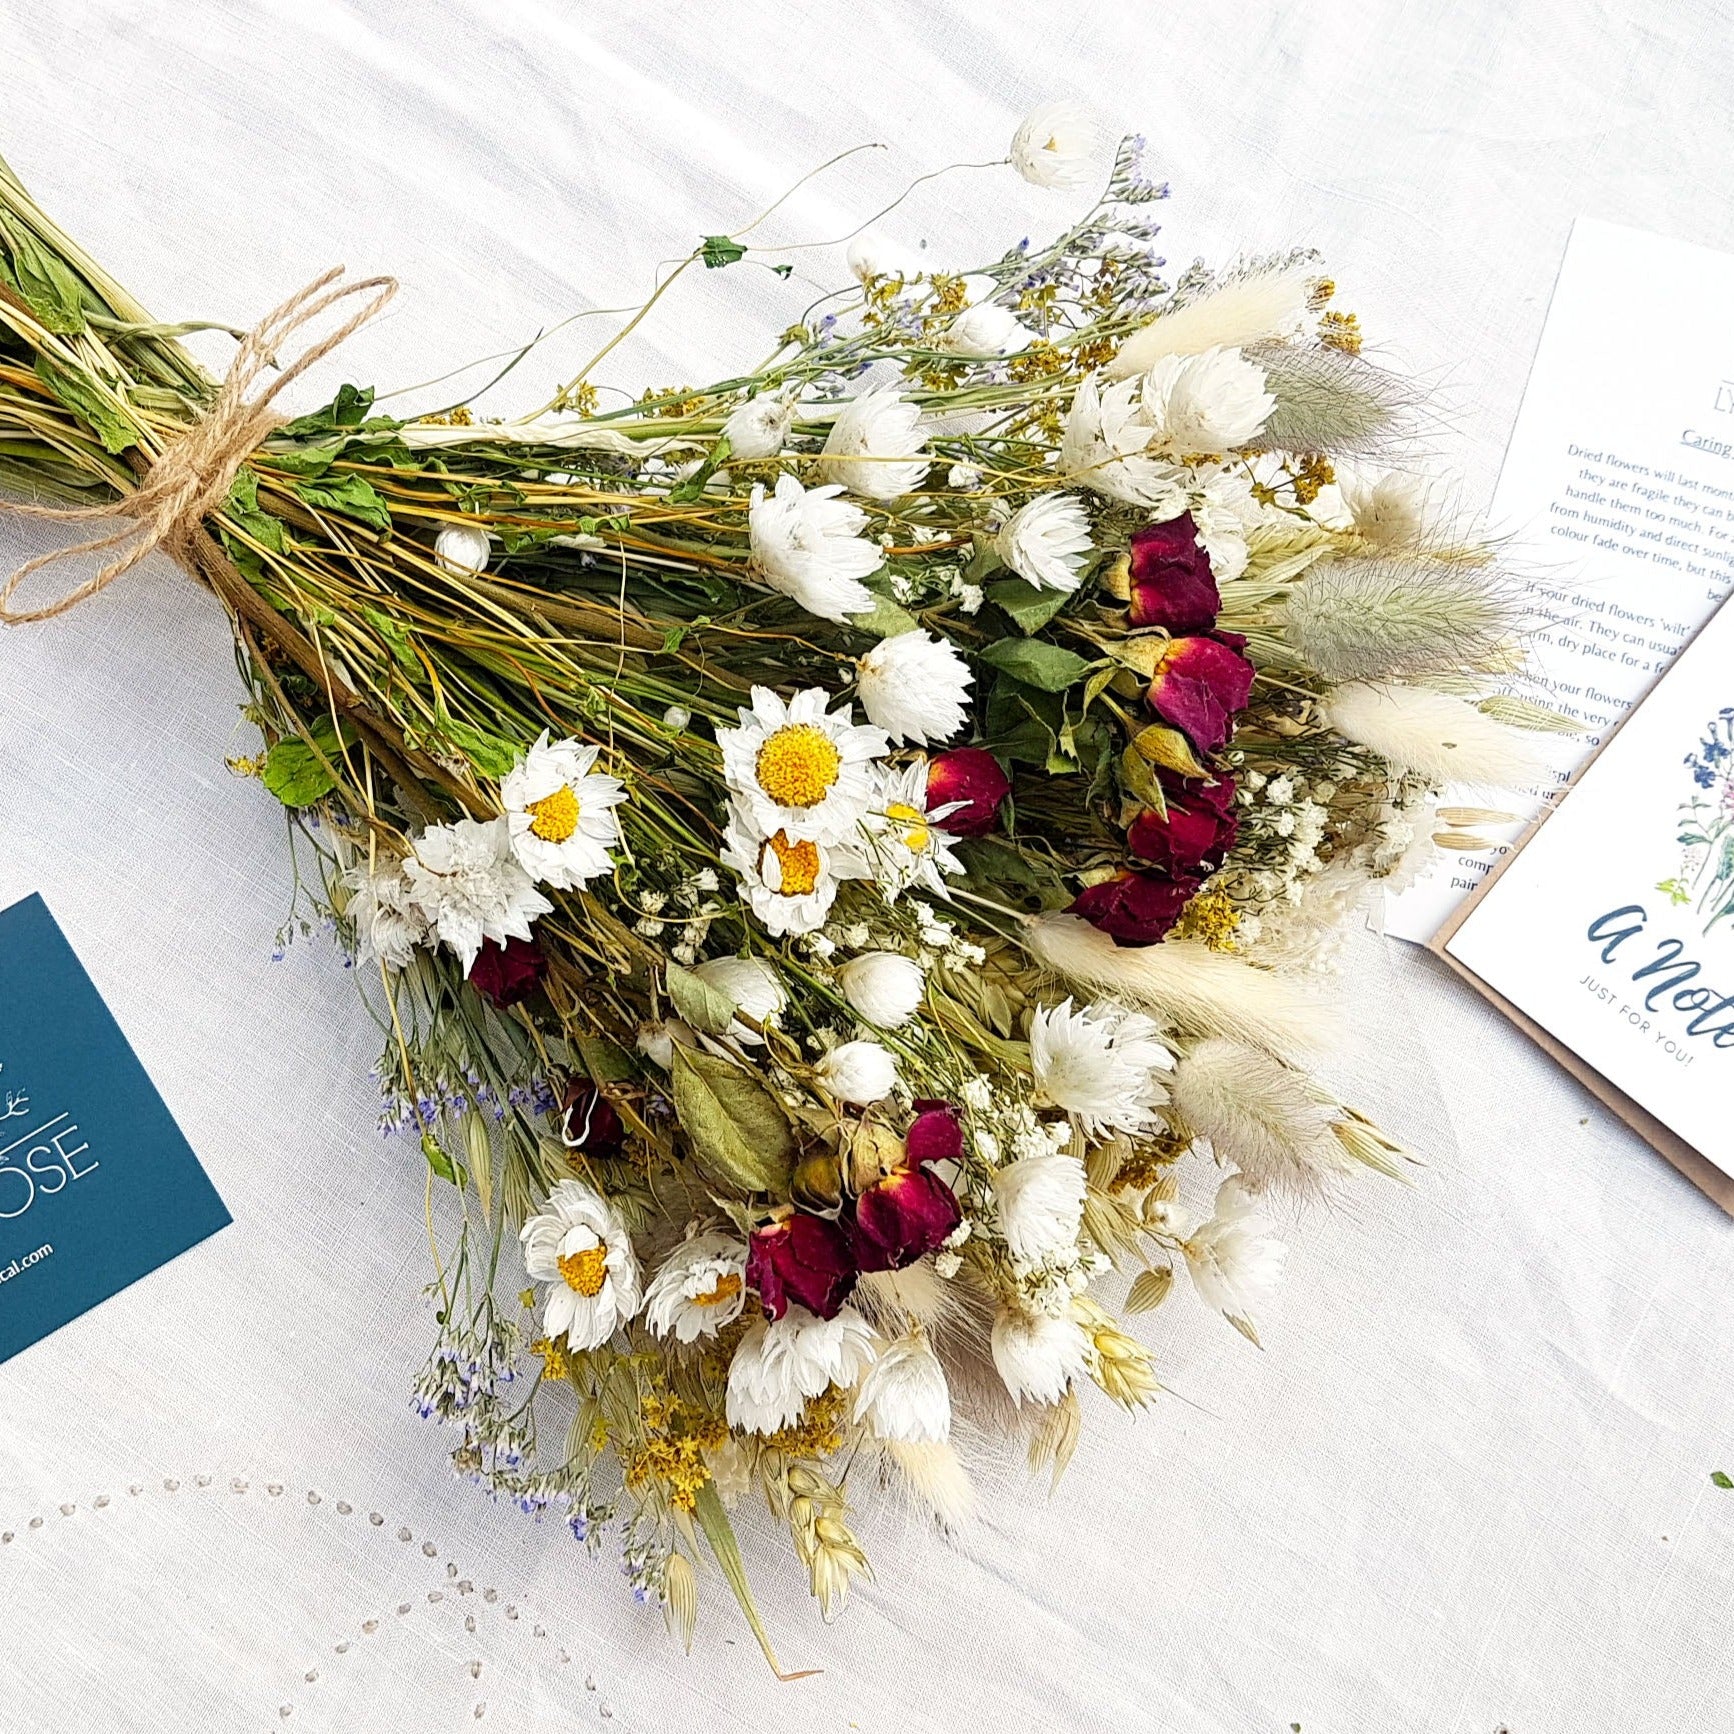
[{"x": 97, "y": 1185}]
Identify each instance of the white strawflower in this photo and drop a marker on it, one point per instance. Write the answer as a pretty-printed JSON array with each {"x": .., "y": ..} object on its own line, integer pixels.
[
  {"x": 874, "y": 255},
  {"x": 656, "y": 1041},
  {"x": 462, "y": 549},
  {"x": 1206, "y": 403},
  {"x": 915, "y": 687},
  {"x": 799, "y": 768},
  {"x": 759, "y": 427},
  {"x": 1103, "y": 446},
  {"x": 1057, "y": 145},
  {"x": 754, "y": 987},
  {"x": 676, "y": 717},
  {"x": 561, "y": 813},
  {"x": 986, "y": 330},
  {"x": 389, "y": 924},
  {"x": 469, "y": 886},
  {"x": 578, "y": 1245},
  {"x": 1223, "y": 509},
  {"x": 899, "y": 840},
  {"x": 700, "y": 1287},
  {"x": 1041, "y": 1205},
  {"x": 874, "y": 446},
  {"x": 1235, "y": 1261},
  {"x": 1046, "y": 541},
  {"x": 1100, "y": 1064},
  {"x": 859, "y": 1072},
  {"x": 807, "y": 543},
  {"x": 1391, "y": 510},
  {"x": 886, "y": 990},
  {"x": 904, "y": 1395},
  {"x": 780, "y": 1364},
  {"x": 1037, "y": 1356}
]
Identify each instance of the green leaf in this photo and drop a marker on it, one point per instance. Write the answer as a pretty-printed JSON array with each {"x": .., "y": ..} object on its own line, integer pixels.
[
  {"x": 719, "y": 1533},
  {"x": 295, "y": 774},
  {"x": 1029, "y": 606},
  {"x": 490, "y": 755},
  {"x": 719, "y": 250},
  {"x": 1721, "y": 1480},
  {"x": 395, "y": 635},
  {"x": 353, "y": 496},
  {"x": 694, "y": 485},
  {"x": 49, "y": 286},
  {"x": 740, "y": 1135},
  {"x": 438, "y": 1160},
  {"x": 705, "y": 1007},
  {"x": 347, "y": 410},
  {"x": 242, "y": 508},
  {"x": 884, "y": 619},
  {"x": 606, "y": 1062},
  {"x": 107, "y": 422},
  {"x": 305, "y": 461},
  {"x": 1035, "y": 662}
]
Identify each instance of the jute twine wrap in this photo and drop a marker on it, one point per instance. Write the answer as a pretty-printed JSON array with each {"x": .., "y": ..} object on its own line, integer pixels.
[{"x": 191, "y": 476}]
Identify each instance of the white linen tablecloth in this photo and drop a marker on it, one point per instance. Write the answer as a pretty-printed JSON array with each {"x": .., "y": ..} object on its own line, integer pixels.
[{"x": 1467, "y": 1487}]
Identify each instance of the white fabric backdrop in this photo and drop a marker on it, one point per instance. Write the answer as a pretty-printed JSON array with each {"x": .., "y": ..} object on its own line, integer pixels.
[{"x": 1466, "y": 1489}]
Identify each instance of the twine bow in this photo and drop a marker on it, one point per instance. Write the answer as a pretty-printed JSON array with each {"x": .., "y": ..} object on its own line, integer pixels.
[{"x": 191, "y": 475}]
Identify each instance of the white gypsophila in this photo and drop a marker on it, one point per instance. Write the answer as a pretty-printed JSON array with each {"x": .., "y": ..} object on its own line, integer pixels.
[
  {"x": 1235, "y": 1260},
  {"x": 1103, "y": 446},
  {"x": 700, "y": 1286},
  {"x": 1210, "y": 402},
  {"x": 1100, "y": 1064},
  {"x": 462, "y": 549},
  {"x": 388, "y": 922},
  {"x": 1046, "y": 541},
  {"x": 873, "y": 255},
  {"x": 789, "y": 886},
  {"x": 807, "y": 543},
  {"x": 753, "y": 986},
  {"x": 900, "y": 841},
  {"x": 779, "y": 1365},
  {"x": 1041, "y": 1205},
  {"x": 759, "y": 428},
  {"x": 1057, "y": 145},
  {"x": 904, "y": 1395},
  {"x": 884, "y": 988},
  {"x": 1038, "y": 1355},
  {"x": 984, "y": 331},
  {"x": 469, "y": 886},
  {"x": 874, "y": 447},
  {"x": 560, "y": 813},
  {"x": 859, "y": 1072},
  {"x": 915, "y": 687},
  {"x": 799, "y": 768},
  {"x": 578, "y": 1245}
]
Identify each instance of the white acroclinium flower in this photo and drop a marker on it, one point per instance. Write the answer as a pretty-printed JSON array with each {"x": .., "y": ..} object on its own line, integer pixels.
[
  {"x": 656, "y": 1041},
  {"x": 579, "y": 1246},
  {"x": 789, "y": 886},
  {"x": 859, "y": 1072},
  {"x": 1391, "y": 510},
  {"x": 1104, "y": 443},
  {"x": 915, "y": 687},
  {"x": 462, "y": 549},
  {"x": 904, "y": 1395},
  {"x": 900, "y": 841},
  {"x": 873, "y": 255},
  {"x": 1041, "y": 1205},
  {"x": 700, "y": 1287},
  {"x": 1038, "y": 1356},
  {"x": 759, "y": 427},
  {"x": 1057, "y": 145},
  {"x": 561, "y": 813},
  {"x": 1205, "y": 403},
  {"x": 388, "y": 923},
  {"x": 1235, "y": 1260},
  {"x": 874, "y": 446},
  {"x": 1100, "y": 1064},
  {"x": 984, "y": 331},
  {"x": 779, "y": 1365},
  {"x": 799, "y": 768},
  {"x": 807, "y": 543},
  {"x": 1046, "y": 541},
  {"x": 754, "y": 987},
  {"x": 885, "y": 989},
  {"x": 469, "y": 885},
  {"x": 1223, "y": 509}
]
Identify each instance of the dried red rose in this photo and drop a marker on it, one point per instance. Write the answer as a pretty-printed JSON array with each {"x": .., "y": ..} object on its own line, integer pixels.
[
  {"x": 804, "y": 1259},
  {"x": 588, "y": 1121},
  {"x": 1135, "y": 908},
  {"x": 910, "y": 1212},
  {"x": 1197, "y": 831},
  {"x": 971, "y": 775},
  {"x": 508, "y": 973},
  {"x": 1170, "y": 579},
  {"x": 1200, "y": 684}
]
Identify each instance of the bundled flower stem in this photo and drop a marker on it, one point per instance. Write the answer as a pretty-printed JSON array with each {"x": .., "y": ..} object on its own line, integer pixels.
[{"x": 821, "y": 842}]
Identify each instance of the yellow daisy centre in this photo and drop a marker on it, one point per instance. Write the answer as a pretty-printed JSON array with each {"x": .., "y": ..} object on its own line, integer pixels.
[
  {"x": 798, "y": 765},
  {"x": 728, "y": 1285},
  {"x": 586, "y": 1271},
  {"x": 555, "y": 817},
  {"x": 912, "y": 826},
  {"x": 799, "y": 863}
]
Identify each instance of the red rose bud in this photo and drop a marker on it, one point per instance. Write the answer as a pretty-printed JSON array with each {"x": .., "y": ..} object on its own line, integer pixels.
[
  {"x": 1197, "y": 832},
  {"x": 971, "y": 775},
  {"x": 588, "y": 1121},
  {"x": 1134, "y": 908},
  {"x": 1198, "y": 686},
  {"x": 934, "y": 1134},
  {"x": 508, "y": 973},
  {"x": 804, "y": 1259},
  {"x": 900, "y": 1218},
  {"x": 1170, "y": 579}
]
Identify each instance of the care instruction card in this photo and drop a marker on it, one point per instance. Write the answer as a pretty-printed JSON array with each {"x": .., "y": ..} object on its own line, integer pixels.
[{"x": 97, "y": 1185}]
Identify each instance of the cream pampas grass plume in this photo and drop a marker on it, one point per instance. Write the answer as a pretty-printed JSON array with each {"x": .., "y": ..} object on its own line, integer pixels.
[
  {"x": 1259, "y": 1115},
  {"x": 1184, "y": 983},
  {"x": 1430, "y": 733},
  {"x": 1247, "y": 310},
  {"x": 1327, "y": 400}
]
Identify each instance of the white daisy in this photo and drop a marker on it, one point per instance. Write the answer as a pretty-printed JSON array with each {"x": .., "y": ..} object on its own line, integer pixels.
[
  {"x": 904, "y": 1394},
  {"x": 1041, "y": 1205},
  {"x": 1046, "y": 541},
  {"x": 1104, "y": 443},
  {"x": 578, "y": 1245},
  {"x": 700, "y": 1288},
  {"x": 874, "y": 447},
  {"x": 468, "y": 884},
  {"x": 561, "y": 813},
  {"x": 789, "y": 886},
  {"x": 915, "y": 687},
  {"x": 1057, "y": 145},
  {"x": 807, "y": 543},
  {"x": 800, "y": 769},
  {"x": 901, "y": 842},
  {"x": 389, "y": 924},
  {"x": 860, "y": 1072},
  {"x": 1235, "y": 1261},
  {"x": 754, "y": 987},
  {"x": 780, "y": 1364},
  {"x": 984, "y": 331},
  {"x": 759, "y": 428},
  {"x": 1100, "y": 1064},
  {"x": 885, "y": 989},
  {"x": 1210, "y": 402},
  {"x": 1037, "y": 1356}
]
